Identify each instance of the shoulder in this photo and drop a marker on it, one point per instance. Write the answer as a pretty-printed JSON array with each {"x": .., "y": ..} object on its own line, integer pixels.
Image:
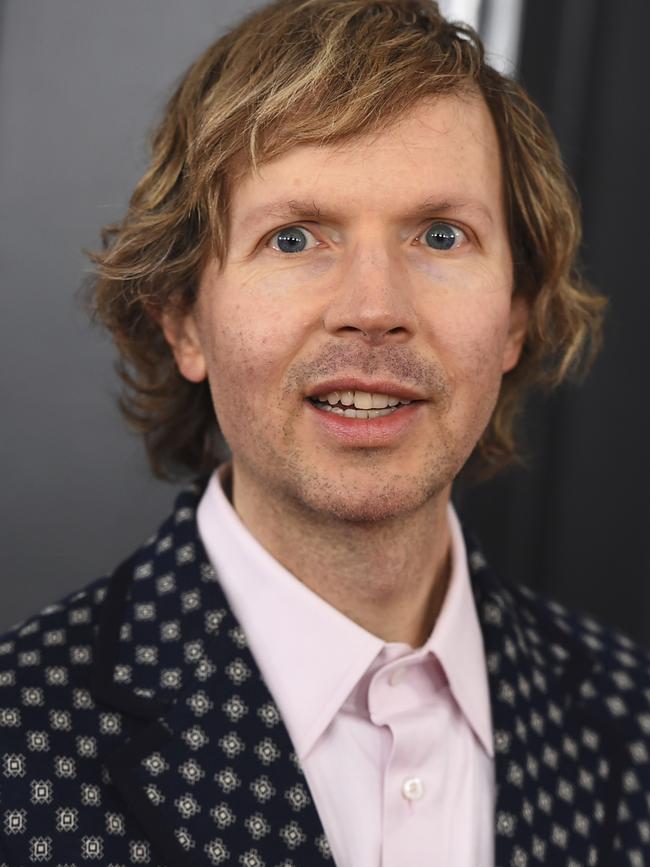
[
  {"x": 604, "y": 645},
  {"x": 614, "y": 669},
  {"x": 571, "y": 655},
  {"x": 570, "y": 699},
  {"x": 51, "y": 648},
  {"x": 55, "y": 647},
  {"x": 59, "y": 728},
  {"x": 45, "y": 695}
]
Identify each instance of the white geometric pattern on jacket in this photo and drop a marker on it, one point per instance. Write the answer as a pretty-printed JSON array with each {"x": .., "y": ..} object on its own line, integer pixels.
[{"x": 136, "y": 728}]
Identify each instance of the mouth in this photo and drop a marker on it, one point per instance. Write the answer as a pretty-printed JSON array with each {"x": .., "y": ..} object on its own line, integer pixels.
[
  {"x": 347, "y": 407},
  {"x": 357, "y": 414}
]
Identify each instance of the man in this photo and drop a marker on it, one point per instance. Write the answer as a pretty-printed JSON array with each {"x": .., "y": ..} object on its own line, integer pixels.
[{"x": 352, "y": 252}]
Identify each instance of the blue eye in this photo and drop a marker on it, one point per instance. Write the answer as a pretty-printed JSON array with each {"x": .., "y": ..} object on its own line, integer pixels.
[
  {"x": 291, "y": 240},
  {"x": 443, "y": 236}
]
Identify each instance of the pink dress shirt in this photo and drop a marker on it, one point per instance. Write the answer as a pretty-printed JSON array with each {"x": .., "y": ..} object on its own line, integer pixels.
[{"x": 395, "y": 742}]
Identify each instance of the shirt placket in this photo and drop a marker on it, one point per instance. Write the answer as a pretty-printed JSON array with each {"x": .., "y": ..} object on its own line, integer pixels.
[{"x": 410, "y": 699}]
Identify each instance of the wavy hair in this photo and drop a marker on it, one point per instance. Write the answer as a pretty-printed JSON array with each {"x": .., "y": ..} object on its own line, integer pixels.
[{"x": 317, "y": 72}]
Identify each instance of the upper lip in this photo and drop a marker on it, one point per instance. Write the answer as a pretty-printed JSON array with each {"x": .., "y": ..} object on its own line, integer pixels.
[{"x": 352, "y": 383}]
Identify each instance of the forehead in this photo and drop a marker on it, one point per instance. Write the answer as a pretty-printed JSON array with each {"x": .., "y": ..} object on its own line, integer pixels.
[{"x": 443, "y": 149}]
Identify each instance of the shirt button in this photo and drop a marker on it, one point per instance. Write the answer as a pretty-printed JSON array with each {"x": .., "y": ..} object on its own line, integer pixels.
[
  {"x": 413, "y": 789},
  {"x": 395, "y": 676}
]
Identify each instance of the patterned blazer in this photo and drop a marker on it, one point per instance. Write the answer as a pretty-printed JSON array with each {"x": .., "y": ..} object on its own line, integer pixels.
[{"x": 136, "y": 728}]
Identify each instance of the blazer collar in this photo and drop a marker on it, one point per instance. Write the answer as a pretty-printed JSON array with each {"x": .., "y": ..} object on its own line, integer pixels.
[
  {"x": 207, "y": 768},
  {"x": 204, "y": 753}
]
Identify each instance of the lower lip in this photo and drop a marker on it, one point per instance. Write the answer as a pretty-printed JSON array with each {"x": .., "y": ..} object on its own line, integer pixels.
[{"x": 384, "y": 430}]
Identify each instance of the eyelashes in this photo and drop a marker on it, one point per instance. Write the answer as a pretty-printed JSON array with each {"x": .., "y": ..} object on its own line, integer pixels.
[{"x": 440, "y": 236}]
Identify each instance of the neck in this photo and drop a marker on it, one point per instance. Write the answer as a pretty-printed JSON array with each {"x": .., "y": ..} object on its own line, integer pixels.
[{"x": 390, "y": 577}]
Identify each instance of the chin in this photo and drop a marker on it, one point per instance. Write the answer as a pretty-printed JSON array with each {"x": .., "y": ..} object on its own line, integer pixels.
[{"x": 372, "y": 501}]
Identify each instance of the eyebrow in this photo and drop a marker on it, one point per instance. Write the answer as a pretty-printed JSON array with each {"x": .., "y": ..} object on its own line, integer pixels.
[{"x": 306, "y": 209}]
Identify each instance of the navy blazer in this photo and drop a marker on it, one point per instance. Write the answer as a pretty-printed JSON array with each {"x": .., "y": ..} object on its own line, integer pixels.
[{"x": 136, "y": 728}]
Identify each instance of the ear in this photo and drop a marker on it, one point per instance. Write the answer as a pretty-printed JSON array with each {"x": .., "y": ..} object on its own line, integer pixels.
[
  {"x": 182, "y": 334},
  {"x": 517, "y": 330}
]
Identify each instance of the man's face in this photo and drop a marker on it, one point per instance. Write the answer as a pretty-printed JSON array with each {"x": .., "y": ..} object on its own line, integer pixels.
[{"x": 370, "y": 287}]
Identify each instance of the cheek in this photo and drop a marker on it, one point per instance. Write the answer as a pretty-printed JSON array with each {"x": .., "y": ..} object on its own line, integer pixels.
[
  {"x": 466, "y": 308},
  {"x": 251, "y": 345},
  {"x": 262, "y": 319},
  {"x": 470, "y": 340}
]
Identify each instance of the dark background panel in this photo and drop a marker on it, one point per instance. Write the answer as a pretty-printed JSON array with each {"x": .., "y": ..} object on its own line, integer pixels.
[
  {"x": 81, "y": 85},
  {"x": 575, "y": 523}
]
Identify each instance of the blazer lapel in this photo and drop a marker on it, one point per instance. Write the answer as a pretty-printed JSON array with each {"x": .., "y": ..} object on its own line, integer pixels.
[
  {"x": 208, "y": 768},
  {"x": 206, "y": 765},
  {"x": 558, "y": 758}
]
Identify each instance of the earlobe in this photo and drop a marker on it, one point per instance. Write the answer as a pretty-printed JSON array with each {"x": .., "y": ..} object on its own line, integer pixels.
[
  {"x": 517, "y": 330},
  {"x": 182, "y": 335}
]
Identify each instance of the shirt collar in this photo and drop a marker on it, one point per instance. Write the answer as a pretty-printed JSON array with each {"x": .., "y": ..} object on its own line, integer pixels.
[
  {"x": 292, "y": 632},
  {"x": 457, "y": 642}
]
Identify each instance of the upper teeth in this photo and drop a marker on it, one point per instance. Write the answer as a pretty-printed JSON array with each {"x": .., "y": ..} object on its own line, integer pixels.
[{"x": 361, "y": 399}]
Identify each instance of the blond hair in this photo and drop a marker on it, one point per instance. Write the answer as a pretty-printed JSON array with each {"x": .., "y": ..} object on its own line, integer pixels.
[{"x": 317, "y": 72}]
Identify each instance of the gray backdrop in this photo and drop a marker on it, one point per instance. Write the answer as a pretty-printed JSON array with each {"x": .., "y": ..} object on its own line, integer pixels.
[{"x": 81, "y": 84}]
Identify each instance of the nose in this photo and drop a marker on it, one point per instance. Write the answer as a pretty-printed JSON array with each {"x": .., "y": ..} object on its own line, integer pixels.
[{"x": 372, "y": 299}]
